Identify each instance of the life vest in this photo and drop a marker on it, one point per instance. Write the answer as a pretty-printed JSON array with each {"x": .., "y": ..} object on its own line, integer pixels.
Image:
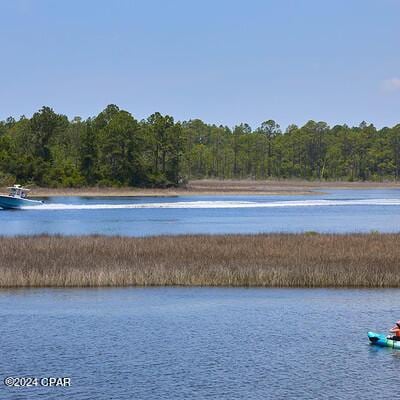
[{"x": 395, "y": 330}]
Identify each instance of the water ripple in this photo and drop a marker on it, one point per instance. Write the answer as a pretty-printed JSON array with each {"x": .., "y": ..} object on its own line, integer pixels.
[{"x": 172, "y": 343}]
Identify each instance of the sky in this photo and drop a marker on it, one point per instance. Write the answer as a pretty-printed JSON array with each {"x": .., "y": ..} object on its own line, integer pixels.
[{"x": 223, "y": 61}]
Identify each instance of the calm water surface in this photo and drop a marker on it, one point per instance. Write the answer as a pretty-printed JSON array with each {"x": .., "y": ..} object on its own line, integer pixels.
[
  {"x": 333, "y": 211},
  {"x": 172, "y": 343}
]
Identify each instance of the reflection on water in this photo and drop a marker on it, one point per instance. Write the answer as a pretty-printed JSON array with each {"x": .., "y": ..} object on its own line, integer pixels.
[{"x": 171, "y": 343}]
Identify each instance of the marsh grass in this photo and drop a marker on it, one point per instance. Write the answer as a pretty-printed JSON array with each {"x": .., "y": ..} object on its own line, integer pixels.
[
  {"x": 214, "y": 186},
  {"x": 275, "y": 260}
]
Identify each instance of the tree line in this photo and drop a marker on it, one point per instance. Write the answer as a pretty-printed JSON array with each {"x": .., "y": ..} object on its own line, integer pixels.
[{"x": 115, "y": 149}]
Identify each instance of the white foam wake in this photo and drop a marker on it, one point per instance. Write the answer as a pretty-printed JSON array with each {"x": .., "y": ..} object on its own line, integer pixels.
[{"x": 219, "y": 204}]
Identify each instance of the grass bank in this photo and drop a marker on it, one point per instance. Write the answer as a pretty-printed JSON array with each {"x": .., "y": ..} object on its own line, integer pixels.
[
  {"x": 276, "y": 260},
  {"x": 218, "y": 187}
]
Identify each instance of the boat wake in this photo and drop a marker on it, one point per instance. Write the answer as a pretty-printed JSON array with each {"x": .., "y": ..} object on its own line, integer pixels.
[{"x": 218, "y": 204}]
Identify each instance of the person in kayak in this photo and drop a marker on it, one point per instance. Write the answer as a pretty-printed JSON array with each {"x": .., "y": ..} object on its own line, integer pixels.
[{"x": 396, "y": 331}]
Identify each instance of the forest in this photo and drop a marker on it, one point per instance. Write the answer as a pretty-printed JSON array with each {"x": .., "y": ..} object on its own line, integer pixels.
[{"x": 115, "y": 149}]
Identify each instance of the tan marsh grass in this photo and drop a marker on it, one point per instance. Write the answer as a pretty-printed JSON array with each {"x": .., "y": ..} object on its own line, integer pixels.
[{"x": 271, "y": 260}]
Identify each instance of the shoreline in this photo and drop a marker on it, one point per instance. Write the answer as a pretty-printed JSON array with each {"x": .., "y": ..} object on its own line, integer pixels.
[
  {"x": 307, "y": 260},
  {"x": 218, "y": 187}
]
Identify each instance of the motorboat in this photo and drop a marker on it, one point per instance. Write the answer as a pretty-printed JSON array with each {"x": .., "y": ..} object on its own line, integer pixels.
[{"x": 17, "y": 198}]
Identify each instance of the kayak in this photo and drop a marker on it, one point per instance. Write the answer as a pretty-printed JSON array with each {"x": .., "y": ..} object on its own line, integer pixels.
[{"x": 381, "y": 340}]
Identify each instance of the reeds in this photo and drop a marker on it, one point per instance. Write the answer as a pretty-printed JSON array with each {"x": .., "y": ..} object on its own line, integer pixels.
[
  {"x": 213, "y": 186},
  {"x": 275, "y": 260}
]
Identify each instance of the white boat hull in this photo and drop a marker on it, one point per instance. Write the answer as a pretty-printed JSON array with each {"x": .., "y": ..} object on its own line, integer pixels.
[{"x": 10, "y": 202}]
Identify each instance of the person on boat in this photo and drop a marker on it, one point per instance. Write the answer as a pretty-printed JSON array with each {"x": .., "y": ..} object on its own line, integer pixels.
[{"x": 395, "y": 331}]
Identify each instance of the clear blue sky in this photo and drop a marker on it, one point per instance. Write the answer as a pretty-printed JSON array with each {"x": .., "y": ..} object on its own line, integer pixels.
[{"x": 224, "y": 61}]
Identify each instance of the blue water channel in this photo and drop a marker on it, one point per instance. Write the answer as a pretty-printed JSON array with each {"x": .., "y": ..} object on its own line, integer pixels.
[
  {"x": 332, "y": 211},
  {"x": 199, "y": 343}
]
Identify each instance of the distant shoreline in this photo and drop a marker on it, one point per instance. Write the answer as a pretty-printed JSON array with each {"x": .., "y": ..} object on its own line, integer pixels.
[
  {"x": 270, "y": 260},
  {"x": 218, "y": 187}
]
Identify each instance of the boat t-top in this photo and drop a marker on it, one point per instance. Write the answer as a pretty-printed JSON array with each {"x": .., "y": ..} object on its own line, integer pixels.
[{"x": 17, "y": 198}]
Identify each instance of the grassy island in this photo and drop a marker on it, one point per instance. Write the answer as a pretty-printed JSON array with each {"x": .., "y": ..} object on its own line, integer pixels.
[{"x": 265, "y": 260}]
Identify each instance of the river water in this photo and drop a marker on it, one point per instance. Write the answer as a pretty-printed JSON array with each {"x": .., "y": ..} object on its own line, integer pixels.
[
  {"x": 333, "y": 211},
  {"x": 199, "y": 343}
]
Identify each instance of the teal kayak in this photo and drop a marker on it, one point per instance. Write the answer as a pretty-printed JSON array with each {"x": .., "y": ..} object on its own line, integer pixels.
[{"x": 381, "y": 340}]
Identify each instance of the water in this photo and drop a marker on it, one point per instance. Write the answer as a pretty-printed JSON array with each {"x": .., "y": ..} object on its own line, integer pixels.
[
  {"x": 175, "y": 343},
  {"x": 199, "y": 343},
  {"x": 334, "y": 211}
]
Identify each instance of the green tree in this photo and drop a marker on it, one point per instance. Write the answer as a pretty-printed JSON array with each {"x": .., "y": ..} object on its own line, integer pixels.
[
  {"x": 118, "y": 144},
  {"x": 270, "y": 129}
]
